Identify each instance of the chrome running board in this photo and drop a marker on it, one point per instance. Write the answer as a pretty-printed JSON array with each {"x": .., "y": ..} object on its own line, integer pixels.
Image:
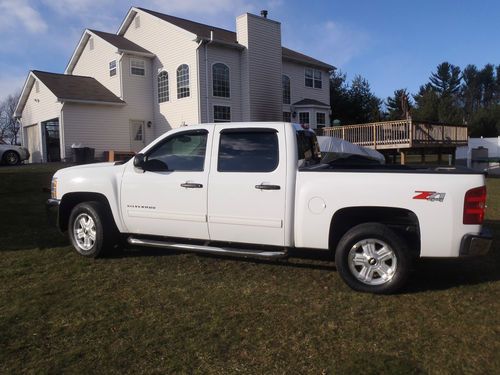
[{"x": 208, "y": 249}]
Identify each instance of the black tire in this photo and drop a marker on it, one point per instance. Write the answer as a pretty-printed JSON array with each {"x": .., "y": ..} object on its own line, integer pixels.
[
  {"x": 372, "y": 258},
  {"x": 11, "y": 158},
  {"x": 100, "y": 225}
]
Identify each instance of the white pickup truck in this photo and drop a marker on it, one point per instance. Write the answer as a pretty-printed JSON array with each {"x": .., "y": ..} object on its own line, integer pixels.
[{"x": 260, "y": 190}]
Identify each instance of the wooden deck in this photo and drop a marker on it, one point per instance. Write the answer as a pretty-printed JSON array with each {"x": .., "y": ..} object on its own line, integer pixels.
[{"x": 401, "y": 134}]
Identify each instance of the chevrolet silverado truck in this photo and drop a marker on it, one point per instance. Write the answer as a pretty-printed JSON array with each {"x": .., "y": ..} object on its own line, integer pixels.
[{"x": 260, "y": 190}]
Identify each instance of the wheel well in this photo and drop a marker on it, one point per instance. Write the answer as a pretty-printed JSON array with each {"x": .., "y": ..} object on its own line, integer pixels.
[
  {"x": 70, "y": 200},
  {"x": 404, "y": 222}
]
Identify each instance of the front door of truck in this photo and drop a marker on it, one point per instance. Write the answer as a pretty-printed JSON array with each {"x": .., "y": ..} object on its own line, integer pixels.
[
  {"x": 171, "y": 202},
  {"x": 246, "y": 196}
]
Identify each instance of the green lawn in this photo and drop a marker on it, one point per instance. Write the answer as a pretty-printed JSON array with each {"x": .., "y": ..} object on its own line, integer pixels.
[{"x": 153, "y": 311}]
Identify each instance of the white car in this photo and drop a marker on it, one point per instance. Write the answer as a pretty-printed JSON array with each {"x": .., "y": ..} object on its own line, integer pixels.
[
  {"x": 12, "y": 154},
  {"x": 260, "y": 189}
]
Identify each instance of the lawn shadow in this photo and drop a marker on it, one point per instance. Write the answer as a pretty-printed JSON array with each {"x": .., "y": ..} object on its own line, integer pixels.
[{"x": 441, "y": 274}]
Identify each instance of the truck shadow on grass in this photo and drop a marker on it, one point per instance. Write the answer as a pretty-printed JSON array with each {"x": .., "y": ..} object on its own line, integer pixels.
[{"x": 427, "y": 275}]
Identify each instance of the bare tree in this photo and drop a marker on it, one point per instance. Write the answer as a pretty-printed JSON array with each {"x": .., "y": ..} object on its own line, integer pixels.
[{"x": 9, "y": 127}]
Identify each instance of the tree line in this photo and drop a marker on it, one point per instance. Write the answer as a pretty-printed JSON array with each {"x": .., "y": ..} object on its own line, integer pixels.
[{"x": 463, "y": 97}]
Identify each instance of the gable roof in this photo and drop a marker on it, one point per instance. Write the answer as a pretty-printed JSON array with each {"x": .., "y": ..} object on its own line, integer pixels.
[
  {"x": 120, "y": 42},
  {"x": 200, "y": 29},
  {"x": 227, "y": 37},
  {"x": 68, "y": 88}
]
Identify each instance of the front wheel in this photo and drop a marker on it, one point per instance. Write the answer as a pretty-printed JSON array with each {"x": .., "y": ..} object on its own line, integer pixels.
[
  {"x": 89, "y": 229},
  {"x": 372, "y": 258},
  {"x": 11, "y": 158}
]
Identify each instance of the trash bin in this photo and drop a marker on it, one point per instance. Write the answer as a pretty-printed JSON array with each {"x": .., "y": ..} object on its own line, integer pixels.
[
  {"x": 89, "y": 153},
  {"x": 79, "y": 155}
]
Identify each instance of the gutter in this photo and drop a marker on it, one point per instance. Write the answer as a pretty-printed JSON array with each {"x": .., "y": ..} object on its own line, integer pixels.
[
  {"x": 62, "y": 100},
  {"x": 206, "y": 72}
]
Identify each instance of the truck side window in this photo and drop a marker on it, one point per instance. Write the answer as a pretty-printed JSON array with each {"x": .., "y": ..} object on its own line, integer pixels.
[
  {"x": 252, "y": 150},
  {"x": 182, "y": 152}
]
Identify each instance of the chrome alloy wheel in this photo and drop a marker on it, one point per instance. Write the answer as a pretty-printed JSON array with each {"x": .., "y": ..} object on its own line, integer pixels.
[
  {"x": 373, "y": 262},
  {"x": 84, "y": 232}
]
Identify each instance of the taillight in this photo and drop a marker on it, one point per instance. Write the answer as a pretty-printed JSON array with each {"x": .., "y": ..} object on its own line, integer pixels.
[{"x": 474, "y": 205}]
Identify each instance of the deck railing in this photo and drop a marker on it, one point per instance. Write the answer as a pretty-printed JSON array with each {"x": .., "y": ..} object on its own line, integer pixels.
[{"x": 399, "y": 134}]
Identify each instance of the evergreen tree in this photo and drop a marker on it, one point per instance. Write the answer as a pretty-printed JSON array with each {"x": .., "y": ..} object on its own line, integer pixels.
[
  {"x": 427, "y": 104},
  {"x": 446, "y": 80},
  {"x": 394, "y": 104}
]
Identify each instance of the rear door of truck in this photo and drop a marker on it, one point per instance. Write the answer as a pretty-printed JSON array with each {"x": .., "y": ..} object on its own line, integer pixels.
[{"x": 246, "y": 195}]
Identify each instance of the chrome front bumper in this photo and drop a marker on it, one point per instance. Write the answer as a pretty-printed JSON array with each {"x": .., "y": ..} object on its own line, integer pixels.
[{"x": 476, "y": 244}]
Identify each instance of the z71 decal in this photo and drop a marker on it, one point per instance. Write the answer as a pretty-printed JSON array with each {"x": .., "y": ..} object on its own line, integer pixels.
[{"x": 431, "y": 196}]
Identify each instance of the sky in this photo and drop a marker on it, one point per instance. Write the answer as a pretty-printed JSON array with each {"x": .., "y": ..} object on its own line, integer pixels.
[{"x": 393, "y": 44}]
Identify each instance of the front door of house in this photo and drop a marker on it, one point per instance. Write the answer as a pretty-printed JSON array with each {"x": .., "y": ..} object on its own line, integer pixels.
[{"x": 137, "y": 137}]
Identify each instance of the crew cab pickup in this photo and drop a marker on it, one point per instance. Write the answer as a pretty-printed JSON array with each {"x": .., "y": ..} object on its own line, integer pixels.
[{"x": 260, "y": 190}]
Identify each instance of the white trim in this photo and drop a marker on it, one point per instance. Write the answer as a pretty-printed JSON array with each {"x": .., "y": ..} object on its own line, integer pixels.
[
  {"x": 30, "y": 80},
  {"x": 115, "y": 68},
  {"x": 212, "y": 79},
  {"x": 177, "y": 82},
  {"x": 324, "y": 113},
  {"x": 77, "y": 52},
  {"x": 130, "y": 67},
  {"x": 313, "y": 86},
  {"x": 80, "y": 101}
]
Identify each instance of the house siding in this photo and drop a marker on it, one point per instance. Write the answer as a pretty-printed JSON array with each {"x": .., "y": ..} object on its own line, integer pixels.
[
  {"x": 99, "y": 126},
  {"x": 261, "y": 75},
  {"x": 172, "y": 47},
  {"x": 40, "y": 107},
  {"x": 95, "y": 63},
  {"x": 231, "y": 58}
]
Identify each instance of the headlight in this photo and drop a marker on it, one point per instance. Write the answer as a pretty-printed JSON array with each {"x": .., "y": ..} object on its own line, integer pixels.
[{"x": 53, "y": 188}]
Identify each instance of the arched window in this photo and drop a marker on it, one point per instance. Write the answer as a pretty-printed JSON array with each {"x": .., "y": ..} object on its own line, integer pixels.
[
  {"x": 182, "y": 81},
  {"x": 163, "y": 87},
  {"x": 285, "y": 82},
  {"x": 220, "y": 80}
]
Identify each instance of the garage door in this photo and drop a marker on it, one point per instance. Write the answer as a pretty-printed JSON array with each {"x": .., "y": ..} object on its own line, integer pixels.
[{"x": 33, "y": 143}]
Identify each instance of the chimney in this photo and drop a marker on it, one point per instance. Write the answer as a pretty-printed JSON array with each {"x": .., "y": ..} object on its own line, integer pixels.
[
  {"x": 261, "y": 63},
  {"x": 263, "y": 13}
]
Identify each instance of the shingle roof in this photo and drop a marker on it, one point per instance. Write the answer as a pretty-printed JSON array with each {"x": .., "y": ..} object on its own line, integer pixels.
[
  {"x": 197, "y": 28},
  {"x": 230, "y": 37},
  {"x": 77, "y": 88},
  {"x": 311, "y": 102},
  {"x": 120, "y": 42},
  {"x": 300, "y": 57}
]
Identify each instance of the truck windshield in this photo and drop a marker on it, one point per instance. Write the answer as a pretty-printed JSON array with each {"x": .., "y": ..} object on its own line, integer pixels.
[{"x": 308, "y": 148}]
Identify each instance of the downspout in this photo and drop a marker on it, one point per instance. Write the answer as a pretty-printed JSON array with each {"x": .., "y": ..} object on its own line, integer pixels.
[
  {"x": 120, "y": 73},
  {"x": 206, "y": 71},
  {"x": 198, "y": 78}
]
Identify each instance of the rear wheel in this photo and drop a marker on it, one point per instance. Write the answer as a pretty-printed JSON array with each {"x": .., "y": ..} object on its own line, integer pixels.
[
  {"x": 11, "y": 158},
  {"x": 90, "y": 230},
  {"x": 372, "y": 258}
]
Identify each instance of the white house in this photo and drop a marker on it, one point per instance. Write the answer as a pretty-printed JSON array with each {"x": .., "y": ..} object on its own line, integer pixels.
[{"x": 120, "y": 91}]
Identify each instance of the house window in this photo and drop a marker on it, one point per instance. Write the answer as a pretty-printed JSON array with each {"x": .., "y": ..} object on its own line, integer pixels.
[
  {"x": 163, "y": 87},
  {"x": 182, "y": 81},
  {"x": 320, "y": 119},
  {"x": 137, "y": 22},
  {"x": 285, "y": 82},
  {"x": 112, "y": 68},
  {"x": 91, "y": 44},
  {"x": 313, "y": 78},
  {"x": 244, "y": 151},
  {"x": 220, "y": 80},
  {"x": 287, "y": 117},
  {"x": 304, "y": 118},
  {"x": 222, "y": 113},
  {"x": 137, "y": 67}
]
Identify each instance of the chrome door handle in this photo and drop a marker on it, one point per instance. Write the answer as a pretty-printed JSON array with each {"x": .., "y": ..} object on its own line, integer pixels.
[
  {"x": 267, "y": 187},
  {"x": 191, "y": 185}
]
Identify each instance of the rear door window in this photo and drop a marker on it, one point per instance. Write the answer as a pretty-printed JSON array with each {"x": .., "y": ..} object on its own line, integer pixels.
[{"x": 248, "y": 150}]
